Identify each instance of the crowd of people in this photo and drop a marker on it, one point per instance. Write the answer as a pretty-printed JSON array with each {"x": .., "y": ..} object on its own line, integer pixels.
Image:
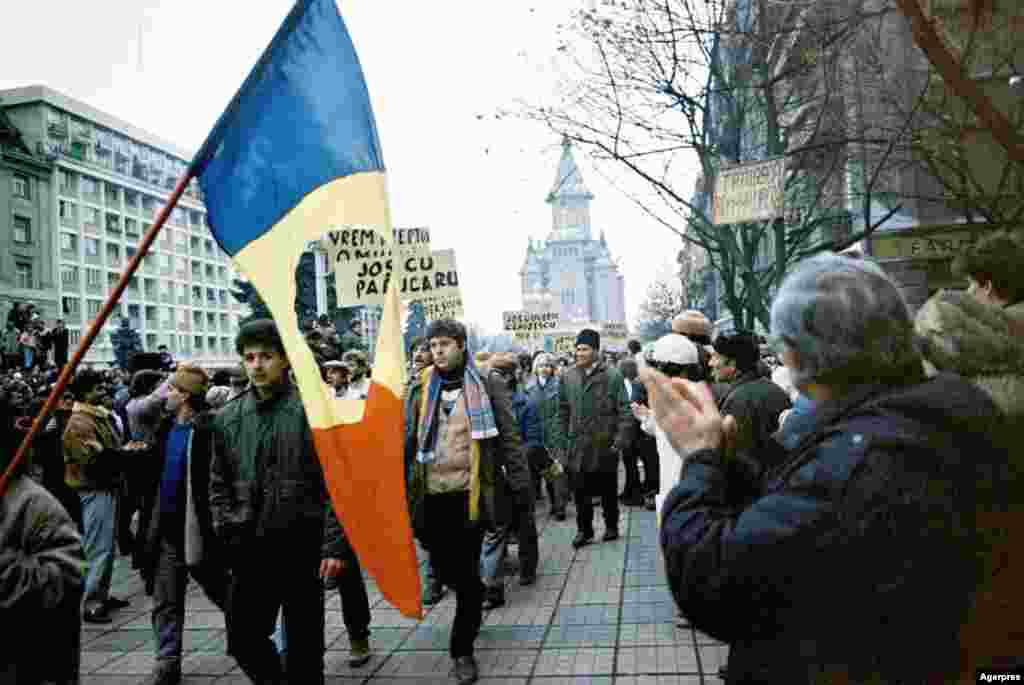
[{"x": 837, "y": 503}]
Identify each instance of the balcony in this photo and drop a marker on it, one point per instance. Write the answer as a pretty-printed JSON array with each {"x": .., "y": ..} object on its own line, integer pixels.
[{"x": 57, "y": 129}]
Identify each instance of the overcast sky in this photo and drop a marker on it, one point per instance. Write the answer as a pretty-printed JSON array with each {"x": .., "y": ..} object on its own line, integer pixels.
[{"x": 436, "y": 72}]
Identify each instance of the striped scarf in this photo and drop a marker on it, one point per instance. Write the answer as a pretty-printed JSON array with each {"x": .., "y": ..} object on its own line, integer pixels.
[{"x": 478, "y": 407}]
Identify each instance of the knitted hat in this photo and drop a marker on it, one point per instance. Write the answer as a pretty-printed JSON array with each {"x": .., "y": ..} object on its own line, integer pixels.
[
  {"x": 191, "y": 379},
  {"x": 590, "y": 338}
]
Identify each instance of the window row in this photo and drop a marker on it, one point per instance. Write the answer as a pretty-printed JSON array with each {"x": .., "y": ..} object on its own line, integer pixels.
[
  {"x": 168, "y": 263},
  {"x": 72, "y": 277},
  {"x": 113, "y": 196},
  {"x": 85, "y": 142}
]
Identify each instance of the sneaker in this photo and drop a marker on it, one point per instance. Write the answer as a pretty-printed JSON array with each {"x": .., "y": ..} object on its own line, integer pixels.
[
  {"x": 360, "y": 652},
  {"x": 164, "y": 674},
  {"x": 465, "y": 670},
  {"x": 433, "y": 595},
  {"x": 582, "y": 539},
  {"x": 493, "y": 598},
  {"x": 610, "y": 534}
]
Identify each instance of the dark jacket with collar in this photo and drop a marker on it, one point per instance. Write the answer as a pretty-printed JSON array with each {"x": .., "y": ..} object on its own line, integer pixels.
[
  {"x": 545, "y": 397},
  {"x": 595, "y": 416},
  {"x": 856, "y": 559},
  {"x": 149, "y": 478},
  {"x": 265, "y": 476},
  {"x": 756, "y": 403},
  {"x": 504, "y": 450}
]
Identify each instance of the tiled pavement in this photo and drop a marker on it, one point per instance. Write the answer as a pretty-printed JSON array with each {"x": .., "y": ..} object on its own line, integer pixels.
[{"x": 599, "y": 615}]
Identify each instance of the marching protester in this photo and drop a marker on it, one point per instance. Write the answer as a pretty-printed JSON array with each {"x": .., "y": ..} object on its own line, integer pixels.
[
  {"x": 271, "y": 513},
  {"x": 359, "y": 380},
  {"x": 594, "y": 413},
  {"x": 512, "y": 513},
  {"x": 544, "y": 394},
  {"x": 41, "y": 566},
  {"x": 888, "y": 482},
  {"x": 176, "y": 529},
  {"x": 338, "y": 375},
  {"x": 460, "y": 428},
  {"x": 94, "y": 466},
  {"x": 979, "y": 335},
  {"x": 641, "y": 448}
]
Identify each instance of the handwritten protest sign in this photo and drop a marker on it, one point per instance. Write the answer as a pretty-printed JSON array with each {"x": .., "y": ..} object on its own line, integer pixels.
[
  {"x": 444, "y": 299},
  {"x": 749, "y": 192},
  {"x": 528, "y": 325},
  {"x": 365, "y": 266},
  {"x": 563, "y": 343}
]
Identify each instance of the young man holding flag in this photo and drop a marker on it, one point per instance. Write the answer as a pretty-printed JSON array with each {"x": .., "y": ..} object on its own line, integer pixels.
[
  {"x": 460, "y": 429},
  {"x": 271, "y": 512}
]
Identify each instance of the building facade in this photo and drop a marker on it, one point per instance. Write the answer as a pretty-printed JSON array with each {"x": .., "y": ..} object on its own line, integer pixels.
[
  {"x": 27, "y": 271},
  {"x": 572, "y": 273},
  {"x": 99, "y": 184}
]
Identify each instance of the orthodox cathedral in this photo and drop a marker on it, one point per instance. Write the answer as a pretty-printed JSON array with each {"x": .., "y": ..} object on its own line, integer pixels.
[{"x": 571, "y": 269}]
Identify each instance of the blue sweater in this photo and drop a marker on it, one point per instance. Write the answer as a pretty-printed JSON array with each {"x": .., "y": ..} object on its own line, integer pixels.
[{"x": 172, "y": 484}]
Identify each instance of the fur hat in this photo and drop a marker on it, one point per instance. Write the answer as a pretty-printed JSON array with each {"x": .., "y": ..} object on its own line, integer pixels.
[
  {"x": 217, "y": 396},
  {"x": 742, "y": 347},
  {"x": 590, "y": 338},
  {"x": 694, "y": 325},
  {"x": 191, "y": 379}
]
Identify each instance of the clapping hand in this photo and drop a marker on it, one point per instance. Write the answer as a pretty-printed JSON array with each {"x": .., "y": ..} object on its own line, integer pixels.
[{"x": 688, "y": 414}]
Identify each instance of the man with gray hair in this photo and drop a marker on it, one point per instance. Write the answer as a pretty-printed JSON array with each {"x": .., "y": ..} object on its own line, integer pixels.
[{"x": 858, "y": 518}]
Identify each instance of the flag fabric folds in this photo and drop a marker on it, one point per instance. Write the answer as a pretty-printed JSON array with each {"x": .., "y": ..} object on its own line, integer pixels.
[{"x": 296, "y": 153}]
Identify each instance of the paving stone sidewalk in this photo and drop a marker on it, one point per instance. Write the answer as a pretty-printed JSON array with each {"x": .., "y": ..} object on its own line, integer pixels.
[{"x": 600, "y": 615}]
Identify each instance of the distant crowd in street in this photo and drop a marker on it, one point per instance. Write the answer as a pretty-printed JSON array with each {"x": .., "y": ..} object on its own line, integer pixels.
[{"x": 838, "y": 500}]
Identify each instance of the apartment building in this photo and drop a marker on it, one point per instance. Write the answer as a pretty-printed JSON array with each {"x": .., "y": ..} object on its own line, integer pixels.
[{"x": 107, "y": 180}]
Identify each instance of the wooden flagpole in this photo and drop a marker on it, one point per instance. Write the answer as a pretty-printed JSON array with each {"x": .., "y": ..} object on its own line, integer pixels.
[{"x": 97, "y": 325}]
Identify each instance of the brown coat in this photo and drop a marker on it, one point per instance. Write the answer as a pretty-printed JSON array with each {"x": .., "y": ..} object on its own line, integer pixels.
[{"x": 90, "y": 441}]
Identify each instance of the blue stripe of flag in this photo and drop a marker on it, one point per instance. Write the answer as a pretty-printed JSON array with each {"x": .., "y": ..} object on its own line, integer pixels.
[{"x": 301, "y": 119}]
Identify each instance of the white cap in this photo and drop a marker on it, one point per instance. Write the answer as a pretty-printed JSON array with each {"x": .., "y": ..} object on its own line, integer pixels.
[{"x": 674, "y": 349}]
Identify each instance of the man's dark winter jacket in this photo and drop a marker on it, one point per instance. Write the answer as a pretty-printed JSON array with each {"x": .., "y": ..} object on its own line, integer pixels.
[
  {"x": 858, "y": 556},
  {"x": 755, "y": 402},
  {"x": 531, "y": 430},
  {"x": 148, "y": 480},
  {"x": 265, "y": 477},
  {"x": 595, "y": 416}
]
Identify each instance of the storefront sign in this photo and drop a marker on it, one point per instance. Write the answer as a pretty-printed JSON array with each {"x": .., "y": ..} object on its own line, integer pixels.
[
  {"x": 939, "y": 245},
  {"x": 749, "y": 192}
]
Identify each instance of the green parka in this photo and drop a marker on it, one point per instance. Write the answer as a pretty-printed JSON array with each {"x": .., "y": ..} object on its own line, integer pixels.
[{"x": 595, "y": 417}]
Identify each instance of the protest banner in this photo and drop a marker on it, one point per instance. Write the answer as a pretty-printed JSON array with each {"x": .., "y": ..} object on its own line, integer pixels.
[
  {"x": 749, "y": 192},
  {"x": 564, "y": 343},
  {"x": 364, "y": 265},
  {"x": 529, "y": 324},
  {"x": 614, "y": 335},
  {"x": 444, "y": 299}
]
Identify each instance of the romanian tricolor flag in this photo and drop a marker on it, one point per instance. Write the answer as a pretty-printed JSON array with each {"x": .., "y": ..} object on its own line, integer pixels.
[{"x": 294, "y": 155}]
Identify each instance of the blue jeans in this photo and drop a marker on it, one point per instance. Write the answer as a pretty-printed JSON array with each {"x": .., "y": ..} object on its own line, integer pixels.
[{"x": 99, "y": 509}]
